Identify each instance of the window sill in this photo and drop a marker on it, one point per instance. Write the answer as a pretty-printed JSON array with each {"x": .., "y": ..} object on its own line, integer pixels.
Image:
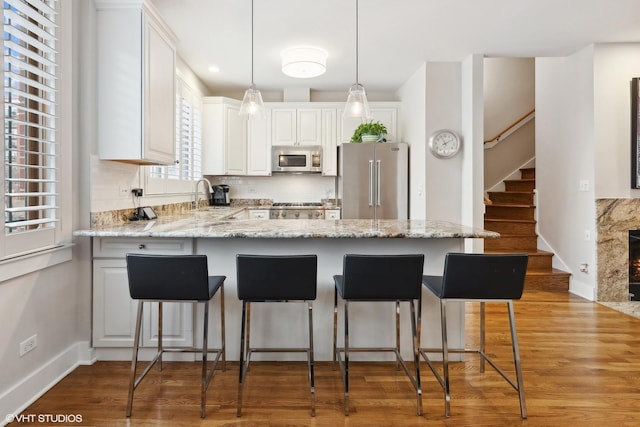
[{"x": 28, "y": 263}]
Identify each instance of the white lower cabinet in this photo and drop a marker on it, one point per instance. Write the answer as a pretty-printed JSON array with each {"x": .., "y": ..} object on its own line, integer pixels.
[
  {"x": 114, "y": 312},
  {"x": 258, "y": 213},
  {"x": 332, "y": 214}
]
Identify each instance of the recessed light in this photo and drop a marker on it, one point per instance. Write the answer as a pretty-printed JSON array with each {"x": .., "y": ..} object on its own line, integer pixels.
[
  {"x": 304, "y": 61},
  {"x": 214, "y": 69}
]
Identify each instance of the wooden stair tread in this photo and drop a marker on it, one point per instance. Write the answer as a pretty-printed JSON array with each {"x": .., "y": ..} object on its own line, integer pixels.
[
  {"x": 553, "y": 272},
  {"x": 504, "y": 251},
  {"x": 520, "y": 180},
  {"x": 510, "y": 220},
  {"x": 506, "y": 205}
]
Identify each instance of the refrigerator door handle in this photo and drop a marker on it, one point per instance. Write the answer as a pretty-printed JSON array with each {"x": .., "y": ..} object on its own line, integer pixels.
[
  {"x": 378, "y": 174},
  {"x": 370, "y": 182}
]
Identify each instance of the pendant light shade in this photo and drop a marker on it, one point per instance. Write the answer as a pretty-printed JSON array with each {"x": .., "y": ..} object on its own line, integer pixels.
[
  {"x": 252, "y": 105},
  {"x": 357, "y": 104}
]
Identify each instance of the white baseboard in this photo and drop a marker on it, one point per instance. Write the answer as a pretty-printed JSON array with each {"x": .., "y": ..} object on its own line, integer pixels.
[
  {"x": 21, "y": 395},
  {"x": 582, "y": 289}
]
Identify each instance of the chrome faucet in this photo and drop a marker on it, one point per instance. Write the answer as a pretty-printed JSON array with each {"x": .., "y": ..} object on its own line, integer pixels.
[{"x": 207, "y": 190}]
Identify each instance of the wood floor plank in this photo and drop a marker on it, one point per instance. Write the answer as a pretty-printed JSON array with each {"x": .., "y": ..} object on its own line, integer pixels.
[{"x": 581, "y": 367}]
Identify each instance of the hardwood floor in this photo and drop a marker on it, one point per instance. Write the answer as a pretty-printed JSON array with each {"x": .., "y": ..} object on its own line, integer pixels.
[{"x": 581, "y": 364}]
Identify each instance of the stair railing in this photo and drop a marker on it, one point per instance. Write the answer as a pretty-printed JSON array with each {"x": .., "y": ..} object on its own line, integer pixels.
[{"x": 517, "y": 124}]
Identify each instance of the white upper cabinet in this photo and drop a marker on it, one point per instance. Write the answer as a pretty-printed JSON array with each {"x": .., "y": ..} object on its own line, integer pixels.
[
  {"x": 386, "y": 113},
  {"x": 136, "y": 84},
  {"x": 296, "y": 126},
  {"x": 231, "y": 144},
  {"x": 224, "y": 137},
  {"x": 329, "y": 142}
]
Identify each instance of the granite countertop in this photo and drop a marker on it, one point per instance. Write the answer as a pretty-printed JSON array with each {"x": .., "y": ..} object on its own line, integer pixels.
[{"x": 215, "y": 223}]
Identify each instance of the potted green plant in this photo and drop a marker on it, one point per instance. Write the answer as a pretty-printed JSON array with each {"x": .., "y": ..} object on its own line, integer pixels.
[{"x": 370, "y": 132}]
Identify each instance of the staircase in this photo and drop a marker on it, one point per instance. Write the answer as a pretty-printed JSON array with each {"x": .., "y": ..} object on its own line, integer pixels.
[{"x": 512, "y": 214}]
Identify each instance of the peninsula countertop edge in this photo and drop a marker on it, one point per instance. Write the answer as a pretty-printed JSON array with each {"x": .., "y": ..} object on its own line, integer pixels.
[{"x": 205, "y": 224}]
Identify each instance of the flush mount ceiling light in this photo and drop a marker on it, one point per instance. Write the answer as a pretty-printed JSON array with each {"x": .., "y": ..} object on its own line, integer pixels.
[
  {"x": 252, "y": 105},
  {"x": 357, "y": 105},
  {"x": 303, "y": 62}
]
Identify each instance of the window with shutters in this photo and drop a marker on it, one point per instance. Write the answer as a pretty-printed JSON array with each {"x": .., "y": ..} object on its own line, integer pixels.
[
  {"x": 179, "y": 178},
  {"x": 31, "y": 146}
]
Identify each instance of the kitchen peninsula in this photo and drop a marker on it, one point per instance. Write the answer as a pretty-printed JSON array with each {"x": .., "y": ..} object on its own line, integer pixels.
[{"x": 215, "y": 233}]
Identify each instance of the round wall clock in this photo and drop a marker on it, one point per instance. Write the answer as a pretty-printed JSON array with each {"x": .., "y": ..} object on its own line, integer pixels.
[{"x": 444, "y": 143}]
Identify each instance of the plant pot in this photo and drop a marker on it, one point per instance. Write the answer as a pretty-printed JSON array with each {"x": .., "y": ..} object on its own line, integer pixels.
[{"x": 371, "y": 138}]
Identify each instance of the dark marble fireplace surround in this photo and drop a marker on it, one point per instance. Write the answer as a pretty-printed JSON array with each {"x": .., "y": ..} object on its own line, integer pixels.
[{"x": 615, "y": 217}]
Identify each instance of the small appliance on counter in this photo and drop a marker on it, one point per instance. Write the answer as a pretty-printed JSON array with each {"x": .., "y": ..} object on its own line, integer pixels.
[{"x": 221, "y": 195}]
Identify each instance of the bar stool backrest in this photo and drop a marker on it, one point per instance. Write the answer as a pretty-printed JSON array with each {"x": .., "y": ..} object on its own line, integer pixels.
[
  {"x": 276, "y": 277},
  {"x": 382, "y": 277},
  {"x": 168, "y": 277},
  {"x": 484, "y": 276}
]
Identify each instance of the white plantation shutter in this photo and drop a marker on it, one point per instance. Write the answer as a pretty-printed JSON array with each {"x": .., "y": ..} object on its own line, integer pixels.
[
  {"x": 188, "y": 144},
  {"x": 30, "y": 142}
]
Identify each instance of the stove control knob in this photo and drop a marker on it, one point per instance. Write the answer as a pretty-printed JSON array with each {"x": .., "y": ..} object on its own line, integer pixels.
[
  {"x": 297, "y": 214},
  {"x": 317, "y": 214},
  {"x": 283, "y": 214}
]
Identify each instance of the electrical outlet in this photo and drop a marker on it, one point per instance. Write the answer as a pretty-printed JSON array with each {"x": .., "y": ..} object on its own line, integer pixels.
[
  {"x": 584, "y": 185},
  {"x": 584, "y": 268},
  {"x": 124, "y": 191},
  {"x": 137, "y": 192},
  {"x": 29, "y": 344},
  {"x": 587, "y": 235}
]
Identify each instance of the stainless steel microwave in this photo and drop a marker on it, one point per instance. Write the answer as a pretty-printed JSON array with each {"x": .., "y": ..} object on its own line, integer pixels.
[{"x": 296, "y": 158}]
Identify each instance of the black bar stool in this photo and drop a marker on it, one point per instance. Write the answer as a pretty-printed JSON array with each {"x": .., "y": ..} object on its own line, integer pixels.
[
  {"x": 275, "y": 278},
  {"x": 174, "y": 278},
  {"x": 479, "y": 278},
  {"x": 393, "y": 278}
]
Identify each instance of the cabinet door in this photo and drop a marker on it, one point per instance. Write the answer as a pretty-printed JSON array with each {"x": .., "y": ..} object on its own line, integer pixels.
[
  {"x": 329, "y": 145},
  {"x": 177, "y": 324},
  {"x": 114, "y": 312},
  {"x": 385, "y": 115},
  {"x": 159, "y": 96},
  {"x": 235, "y": 141},
  {"x": 259, "y": 146},
  {"x": 283, "y": 126},
  {"x": 309, "y": 126}
]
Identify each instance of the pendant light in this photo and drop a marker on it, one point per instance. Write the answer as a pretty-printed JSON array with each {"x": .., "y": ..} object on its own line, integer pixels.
[
  {"x": 357, "y": 105},
  {"x": 252, "y": 105}
]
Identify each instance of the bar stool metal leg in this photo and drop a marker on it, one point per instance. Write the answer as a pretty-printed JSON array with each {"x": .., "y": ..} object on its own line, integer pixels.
[
  {"x": 416, "y": 357},
  {"x": 311, "y": 361},
  {"x": 160, "y": 321},
  {"x": 345, "y": 375},
  {"x": 134, "y": 359},
  {"x": 244, "y": 346},
  {"x": 516, "y": 359}
]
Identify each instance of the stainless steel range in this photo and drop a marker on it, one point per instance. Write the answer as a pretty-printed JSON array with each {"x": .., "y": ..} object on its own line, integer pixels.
[{"x": 306, "y": 210}]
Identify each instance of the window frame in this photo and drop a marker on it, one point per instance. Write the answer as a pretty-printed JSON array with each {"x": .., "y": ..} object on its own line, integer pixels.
[
  {"x": 172, "y": 186},
  {"x": 27, "y": 252}
]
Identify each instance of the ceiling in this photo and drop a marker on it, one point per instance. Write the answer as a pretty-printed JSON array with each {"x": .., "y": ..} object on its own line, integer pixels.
[{"x": 396, "y": 36}]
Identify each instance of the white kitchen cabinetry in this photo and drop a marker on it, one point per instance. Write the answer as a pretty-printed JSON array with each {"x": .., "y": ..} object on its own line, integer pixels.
[
  {"x": 258, "y": 213},
  {"x": 224, "y": 137},
  {"x": 136, "y": 84},
  {"x": 332, "y": 214},
  {"x": 259, "y": 146},
  {"x": 386, "y": 114},
  {"x": 231, "y": 144},
  {"x": 329, "y": 142},
  {"x": 296, "y": 126},
  {"x": 114, "y": 312}
]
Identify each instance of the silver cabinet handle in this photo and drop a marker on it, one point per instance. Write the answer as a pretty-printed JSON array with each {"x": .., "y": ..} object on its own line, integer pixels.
[
  {"x": 378, "y": 173},
  {"x": 370, "y": 182},
  {"x": 142, "y": 246}
]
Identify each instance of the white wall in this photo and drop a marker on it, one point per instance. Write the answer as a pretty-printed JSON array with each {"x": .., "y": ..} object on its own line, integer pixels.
[
  {"x": 614, "y": 66},
  {"x": 412, "y": 128},
  {"x": 509, "y": 94},
  {"x": 565, "y": 149},
  {"x": 443, "y": 111}
]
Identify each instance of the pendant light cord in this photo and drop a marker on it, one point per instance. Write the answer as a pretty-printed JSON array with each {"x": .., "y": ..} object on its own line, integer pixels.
[
  {"x": 252, "y": 43},
  {"x": 357, "y": 43}
]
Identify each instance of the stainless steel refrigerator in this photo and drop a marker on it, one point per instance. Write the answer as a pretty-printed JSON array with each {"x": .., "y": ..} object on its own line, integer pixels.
[{"x": 373, "y": 180}]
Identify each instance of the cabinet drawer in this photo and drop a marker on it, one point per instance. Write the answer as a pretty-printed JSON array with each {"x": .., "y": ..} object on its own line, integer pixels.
[
  {"x": 332, "y": 214},
  {"x": 259, "y": 214},
  {"x": 118, "y": 247}
]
